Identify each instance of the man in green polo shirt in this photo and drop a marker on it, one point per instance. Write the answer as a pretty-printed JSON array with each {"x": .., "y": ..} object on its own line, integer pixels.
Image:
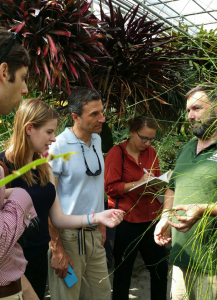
[{"x": 193, "y": 193}]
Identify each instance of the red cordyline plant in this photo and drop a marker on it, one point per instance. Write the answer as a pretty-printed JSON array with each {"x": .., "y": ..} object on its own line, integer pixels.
[
  {"x": 61, "y": 36},
  {"x": 142, "y": 67}
]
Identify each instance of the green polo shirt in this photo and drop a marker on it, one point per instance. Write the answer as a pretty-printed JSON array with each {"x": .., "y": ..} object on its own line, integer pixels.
[{"x": 194, "y": 180}]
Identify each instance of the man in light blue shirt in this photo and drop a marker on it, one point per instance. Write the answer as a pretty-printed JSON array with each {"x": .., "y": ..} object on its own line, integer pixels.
[
  {"x": 78, "y": 193},
  {"x": 80, "y": 187}
]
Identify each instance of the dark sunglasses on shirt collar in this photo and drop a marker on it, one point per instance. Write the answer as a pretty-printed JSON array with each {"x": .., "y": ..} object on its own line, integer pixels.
[{"x": 88, "y": 171}]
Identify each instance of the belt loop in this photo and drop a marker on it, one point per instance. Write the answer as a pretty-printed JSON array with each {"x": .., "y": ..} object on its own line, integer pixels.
[{"x": 81, "y": 241}]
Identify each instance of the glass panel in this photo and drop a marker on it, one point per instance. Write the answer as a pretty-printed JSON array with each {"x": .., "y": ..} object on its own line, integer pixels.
[
  {"x": 209, "y": 27},
  {"x": 166, "y": 10},
  {"x": 172, "y": 9},
  {"x": 213, "y": 5},
  {"x": 201, "y": 18},
  {"x": 205, "y": 3},
  {"x": 214, "y": 15}
]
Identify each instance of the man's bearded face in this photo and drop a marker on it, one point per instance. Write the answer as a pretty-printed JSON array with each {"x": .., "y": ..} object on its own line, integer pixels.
[
  {"x": 203, "y": 129},
  {"x": 202, "y": 115}
]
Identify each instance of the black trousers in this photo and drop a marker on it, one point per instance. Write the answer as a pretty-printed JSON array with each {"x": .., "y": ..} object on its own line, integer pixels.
[
  {"x": 151, "y": 253},
  {"x": 36, "y": 273}
]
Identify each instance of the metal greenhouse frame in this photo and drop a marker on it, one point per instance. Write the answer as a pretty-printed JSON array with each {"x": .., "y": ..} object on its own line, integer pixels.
[{"x": 193, "y": 13}]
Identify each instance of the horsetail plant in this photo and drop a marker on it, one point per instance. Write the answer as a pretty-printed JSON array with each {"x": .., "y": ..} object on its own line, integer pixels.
[{"x": 33, "y": 165}]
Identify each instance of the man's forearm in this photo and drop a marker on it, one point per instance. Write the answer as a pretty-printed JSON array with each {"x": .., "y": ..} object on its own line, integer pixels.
[
  {"x": 168, "y": 199},
  {"x": 162, "y": 233},
  {"x": 102, "y": 229},
  {"x": 55, "y": 243},
  {"x": 168, "y": 203},
  {"x": 207, "y": 209},
  {"x": 60, "y": 259}
]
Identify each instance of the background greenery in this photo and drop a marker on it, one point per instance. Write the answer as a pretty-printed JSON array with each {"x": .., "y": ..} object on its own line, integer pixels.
[{"x": 137, "y": 65}]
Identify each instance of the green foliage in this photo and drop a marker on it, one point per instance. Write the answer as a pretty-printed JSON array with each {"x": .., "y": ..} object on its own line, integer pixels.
[
  {"x": 118, "y": 124},
  {"x": 144, "y": 70},
  {"x": 167, "y": 149},
  {"x": 6, "y": 123},
  {"x": 205, "y": 44},
  {"x": 120, "y": 135},
  {"x": 61, "y": 37}
]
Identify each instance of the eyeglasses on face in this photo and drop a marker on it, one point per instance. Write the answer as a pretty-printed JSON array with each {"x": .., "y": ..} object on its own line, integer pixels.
[
  {"x": 10, "y": 45},
  {"x": 145, "y": 139},
  {"x": 88, "y": 171}
]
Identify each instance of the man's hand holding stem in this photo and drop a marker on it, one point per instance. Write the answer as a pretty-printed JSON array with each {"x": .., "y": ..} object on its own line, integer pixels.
[{"x": 194, "y": 212}]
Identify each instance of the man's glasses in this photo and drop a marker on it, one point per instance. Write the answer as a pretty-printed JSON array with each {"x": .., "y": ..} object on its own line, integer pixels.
[
  {"x": 10, "y": 44},
  {"x": 144, "y": 139},
  {"x": 88, "y": 171}
]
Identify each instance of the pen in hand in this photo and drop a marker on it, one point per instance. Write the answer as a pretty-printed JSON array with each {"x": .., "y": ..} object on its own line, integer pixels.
[{"x": 145, "y": 170}]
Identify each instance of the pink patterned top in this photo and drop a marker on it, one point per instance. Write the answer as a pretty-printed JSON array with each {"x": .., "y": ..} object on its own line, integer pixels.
[{"x": 15, "y": 215}]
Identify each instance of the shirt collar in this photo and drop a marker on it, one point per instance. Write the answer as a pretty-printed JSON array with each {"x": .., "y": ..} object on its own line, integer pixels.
[
  {"x": 193, "y": 142},
  {"x": 72, "y": 139}
]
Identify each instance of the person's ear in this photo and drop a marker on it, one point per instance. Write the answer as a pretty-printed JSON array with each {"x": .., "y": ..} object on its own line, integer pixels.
[
  {"x": 4, "y": 73},
  {"x": 29, "y": 128},
  {"x": 132, "y": 133},
  {"x": 75, "y": 117}
]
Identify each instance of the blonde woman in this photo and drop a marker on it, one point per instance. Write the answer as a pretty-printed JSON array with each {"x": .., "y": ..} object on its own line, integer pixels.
[{"x": 34, "y": 127}]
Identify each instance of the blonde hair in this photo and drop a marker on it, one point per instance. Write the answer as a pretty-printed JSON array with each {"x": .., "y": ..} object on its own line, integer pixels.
[{"x": 18, "y": 147}]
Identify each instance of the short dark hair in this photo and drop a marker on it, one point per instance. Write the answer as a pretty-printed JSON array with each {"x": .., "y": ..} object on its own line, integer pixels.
[
  {"x": 17, "y": 58},
  {"x": 142, "y": 121},
  {"x": 79, "y": 97},
  {"x": 209, "y": 88}
]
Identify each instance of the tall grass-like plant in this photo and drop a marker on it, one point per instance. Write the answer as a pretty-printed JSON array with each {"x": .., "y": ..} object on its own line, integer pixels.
[
  {"x": 33, "y": 165},
  {"x": 205, "y": 43}
]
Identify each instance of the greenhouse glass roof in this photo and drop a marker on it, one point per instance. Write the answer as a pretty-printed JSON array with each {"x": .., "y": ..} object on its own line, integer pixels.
[{"x": 193, "y": 13}]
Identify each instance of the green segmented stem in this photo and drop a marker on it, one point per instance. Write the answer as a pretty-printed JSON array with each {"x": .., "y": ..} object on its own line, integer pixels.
[{"x": 33, "y": 165}]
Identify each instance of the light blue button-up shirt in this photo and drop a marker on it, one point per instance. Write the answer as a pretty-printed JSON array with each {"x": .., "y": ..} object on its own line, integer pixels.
[{"x": 78, "y": 193}]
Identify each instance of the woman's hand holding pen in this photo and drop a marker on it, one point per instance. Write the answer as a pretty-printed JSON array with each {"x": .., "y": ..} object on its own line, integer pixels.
[
  {"x": 140, "y": 190},
  {"x": 145, "y": 177},
  {"x": 151, "y": 189},
  {"x": 147, "y": 188}
]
